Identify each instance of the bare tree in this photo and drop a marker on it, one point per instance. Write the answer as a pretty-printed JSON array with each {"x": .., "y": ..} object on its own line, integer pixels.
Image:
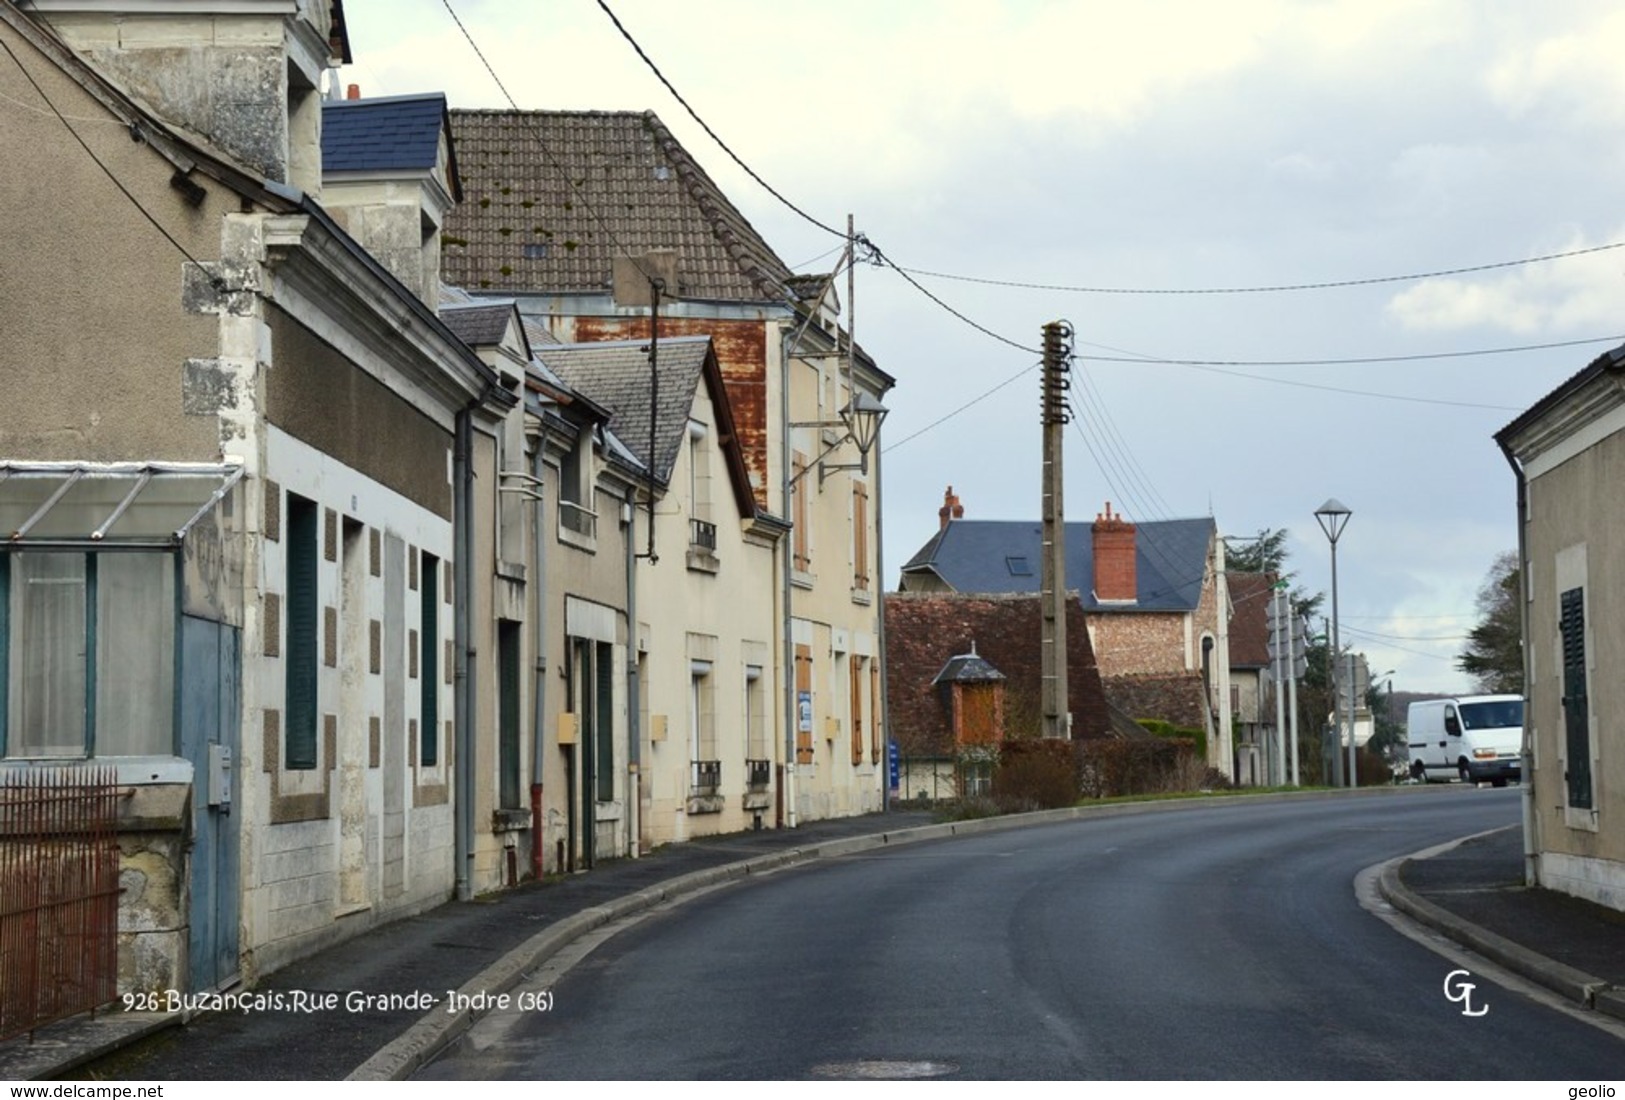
[{"x": 1494, "y": 653}]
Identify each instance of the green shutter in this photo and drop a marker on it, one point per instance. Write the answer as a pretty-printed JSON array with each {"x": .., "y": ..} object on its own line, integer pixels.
[
  {"x": 604, "y": 716},
  {"x": 429, "y": 666},
  {"x": 299, "y": 652},
  {"x": 1576, "y": 704},
  {"x": 508, "y": 711}
]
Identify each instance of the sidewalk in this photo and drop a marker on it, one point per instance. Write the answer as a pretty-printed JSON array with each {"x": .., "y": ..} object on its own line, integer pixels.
[{"x": 1472, "y": 893}]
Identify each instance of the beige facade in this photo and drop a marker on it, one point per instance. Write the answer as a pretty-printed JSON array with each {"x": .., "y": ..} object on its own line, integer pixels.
[{"x": 1569, "y": 451}]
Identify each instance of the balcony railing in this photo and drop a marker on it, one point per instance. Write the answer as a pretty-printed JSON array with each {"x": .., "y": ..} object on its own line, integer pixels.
[
  {"x": 758, "y": 774},
  {"x": 705, "y": 776},
  {"x": 582, "y": 521},
  {"x": 702, "y": 534}
]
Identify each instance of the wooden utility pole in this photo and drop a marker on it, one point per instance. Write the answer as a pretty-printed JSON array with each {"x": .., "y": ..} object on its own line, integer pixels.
[{"x": 1052, "y": 576}]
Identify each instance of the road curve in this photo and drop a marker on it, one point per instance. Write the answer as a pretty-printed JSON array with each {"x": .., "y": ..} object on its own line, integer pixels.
[{"x": 1218, "y": 941}]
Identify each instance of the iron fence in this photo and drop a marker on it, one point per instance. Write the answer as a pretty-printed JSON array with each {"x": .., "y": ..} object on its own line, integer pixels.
[
  {"x": 59, "y": 891},
  {"x": 705, "y": 776},
  {"x": 758, "y": 773}
]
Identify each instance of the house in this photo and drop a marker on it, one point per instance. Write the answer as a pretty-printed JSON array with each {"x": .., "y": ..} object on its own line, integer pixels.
[
  {"x": 705, "y": 753},
  {"x": 964, "y": 674},
  {"x": 1566, "y": 453},
  {"x": 263, "y": 511},
  {"x": 1258, "y": 756},
  {"x": 603, "y": 228},
  {"x": 1151, "y": 594}
]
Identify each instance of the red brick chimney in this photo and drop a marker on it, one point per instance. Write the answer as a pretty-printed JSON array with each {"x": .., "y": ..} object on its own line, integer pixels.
[
  {"x": 951, "y": 508},
  {"x": 1115, "y": 577}
]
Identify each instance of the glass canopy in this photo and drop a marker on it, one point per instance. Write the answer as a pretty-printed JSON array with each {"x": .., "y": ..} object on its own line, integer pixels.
[{"x": 136, "y": 504}]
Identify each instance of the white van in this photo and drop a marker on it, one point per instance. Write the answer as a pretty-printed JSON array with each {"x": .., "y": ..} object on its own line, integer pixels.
[{"x": 1474, "y": 737}]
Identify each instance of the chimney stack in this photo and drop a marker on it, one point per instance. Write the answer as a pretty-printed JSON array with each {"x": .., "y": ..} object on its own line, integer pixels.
[
  {"x": 353, "y": 92},
  {"x": 951, "y": 509},
  {"x": 1116, "y": 580}
]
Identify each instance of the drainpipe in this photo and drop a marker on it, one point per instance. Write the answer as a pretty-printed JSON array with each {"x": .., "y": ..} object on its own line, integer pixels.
[
  {"x": 634, "y": 725},
  {"x": 880, "y": 603},
  {"x": 539, "y": 693},
  {"x": 787, "y": 547},
  {"x": 462, "y": 644},
  {"x": 1531, "y": 846}
]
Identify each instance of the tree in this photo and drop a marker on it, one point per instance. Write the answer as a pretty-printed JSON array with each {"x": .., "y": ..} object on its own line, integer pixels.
[
  {"x": 1494, "y": 653},
  {"x": 1266, "y": 552}
]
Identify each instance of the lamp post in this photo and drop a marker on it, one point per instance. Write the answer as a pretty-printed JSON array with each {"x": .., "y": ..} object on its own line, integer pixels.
[{"x": 1333, "y": 517}]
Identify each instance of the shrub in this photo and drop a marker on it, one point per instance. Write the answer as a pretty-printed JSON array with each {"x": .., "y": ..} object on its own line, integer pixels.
[
  {"x": 1112, "y": 768},
  {"x": 1035, "y": 775}
]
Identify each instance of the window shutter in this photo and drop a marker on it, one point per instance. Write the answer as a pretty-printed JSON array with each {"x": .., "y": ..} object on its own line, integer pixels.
[
  {"x": 860, "y": 535},
  {"x": 429, "y": 665},
  {"x": 804, "y": 719},
  {"x": 798, "y": 513},
  {"x": 1576, "y": 704},
  {"x": 855, "y": 687},
  {"x": 300, "y": 651},
  {"x": 875, "y": 739}
]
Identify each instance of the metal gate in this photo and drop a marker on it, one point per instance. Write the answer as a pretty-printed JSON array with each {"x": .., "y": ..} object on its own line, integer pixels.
[{"x": 59, "y": 892}]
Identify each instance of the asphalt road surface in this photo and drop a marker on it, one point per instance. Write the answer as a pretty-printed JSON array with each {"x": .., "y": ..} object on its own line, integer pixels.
[{"x": 1218, "y": 941}]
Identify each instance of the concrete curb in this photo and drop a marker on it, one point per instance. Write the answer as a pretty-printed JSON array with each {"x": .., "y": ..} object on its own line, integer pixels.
[
  {"x": 438, "y": 1029},
  {"x": 1575, "y": 985}
]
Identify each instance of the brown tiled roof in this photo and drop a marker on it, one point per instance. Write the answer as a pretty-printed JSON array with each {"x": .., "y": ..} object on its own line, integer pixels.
[
  {"x": 1171, "y": 697},
  {"x": 581, "y": 187},
  {"x": 925, "y": 631},
  {"x": 1249, "y": 621}
]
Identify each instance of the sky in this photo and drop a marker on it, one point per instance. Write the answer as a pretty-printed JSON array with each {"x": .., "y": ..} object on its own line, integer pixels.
[{"x": 1158, "y": 146}]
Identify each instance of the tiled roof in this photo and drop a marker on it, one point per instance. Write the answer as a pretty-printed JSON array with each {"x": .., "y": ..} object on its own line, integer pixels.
[
  {"x": 389, "y": 133},
  {"x": 925, "y": 632},
  {"x": 1003, "y": 556},
  {"x": 1174, "y": 697},
  {"x": 1249, "y": 619},
  {"x": 552, "y": 197},
  {"x": 615, "y": 374},
  {"x": 479, "y": 325}
]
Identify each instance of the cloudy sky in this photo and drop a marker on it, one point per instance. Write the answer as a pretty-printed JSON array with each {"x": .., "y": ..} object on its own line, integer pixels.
[{"x": 1169, "y": 147}]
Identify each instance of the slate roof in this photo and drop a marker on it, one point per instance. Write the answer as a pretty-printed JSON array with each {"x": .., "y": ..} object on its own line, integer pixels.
[
  {"x": 579, "y": 188},
  {"x": 480, "y": 324},
  {"x": 615, "y": 374},
  {"x": 1003, "y": 556},
  {"x": 388, "y": 133}
]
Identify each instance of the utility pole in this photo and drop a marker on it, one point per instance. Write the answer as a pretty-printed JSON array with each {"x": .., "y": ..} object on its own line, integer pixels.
[{"x": 1052, "y": 578}]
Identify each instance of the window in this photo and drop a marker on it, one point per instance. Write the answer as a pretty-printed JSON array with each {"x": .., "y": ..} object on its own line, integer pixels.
[
  {"x": 429, "y": 665},
  {"x": 705, "y": 769},
  {"x": 299, "y": 650},
  {"x": 578, "y": 523},
  {"x": 96, "y": 676},
  {"x": 1576, "y": 702}
]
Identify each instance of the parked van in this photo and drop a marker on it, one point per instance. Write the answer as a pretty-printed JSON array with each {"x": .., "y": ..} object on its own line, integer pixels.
[{"x": 1473, "y": 737}]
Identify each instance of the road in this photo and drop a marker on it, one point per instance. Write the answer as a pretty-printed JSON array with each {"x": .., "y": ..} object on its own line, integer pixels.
[{"x": 1217, "y": 941}]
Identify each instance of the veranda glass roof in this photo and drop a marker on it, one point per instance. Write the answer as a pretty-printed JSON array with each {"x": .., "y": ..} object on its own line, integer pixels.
[{"x": 121, "y": 503}]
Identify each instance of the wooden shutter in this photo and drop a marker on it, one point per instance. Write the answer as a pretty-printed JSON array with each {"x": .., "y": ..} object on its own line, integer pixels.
[
  {"x": 876, "y": 745},
  {"x": 798, "y": 513},
  {"x": 804, "y": 720},
  {"x": 860, "y": 536},
  {"x": 1576, "y": 703},
  {"x": 854, "y": 682},
  {"x": 508, "y": 720}
]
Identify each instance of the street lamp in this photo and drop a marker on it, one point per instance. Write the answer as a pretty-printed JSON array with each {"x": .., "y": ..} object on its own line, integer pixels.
[
  {"x": 1333, "y": 517},
  {"x": 861, "y": 418}
]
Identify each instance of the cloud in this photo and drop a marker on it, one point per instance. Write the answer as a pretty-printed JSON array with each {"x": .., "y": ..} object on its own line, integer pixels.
[{"x": 1583, "y": 296}]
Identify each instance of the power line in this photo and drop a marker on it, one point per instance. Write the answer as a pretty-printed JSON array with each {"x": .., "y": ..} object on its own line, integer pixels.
[
  {"x": 881, "y": 258},
  {"x": 1362, "y": 360},
  {"x": 949, "y": 416},
  {"x": 692, "y": 113},
  {"x": 1271, "y": 289}
]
